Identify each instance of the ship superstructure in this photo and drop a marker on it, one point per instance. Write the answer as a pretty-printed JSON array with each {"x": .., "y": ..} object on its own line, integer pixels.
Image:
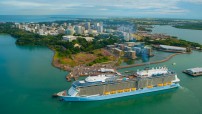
[{"x": 107, "y": 86}]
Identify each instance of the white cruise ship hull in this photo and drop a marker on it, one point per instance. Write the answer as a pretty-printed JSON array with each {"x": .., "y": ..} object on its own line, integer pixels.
[{"x": 117, "y": 95}]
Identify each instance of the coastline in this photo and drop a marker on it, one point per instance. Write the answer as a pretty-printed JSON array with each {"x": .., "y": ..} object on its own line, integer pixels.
[
  {"x": 69, "y": 69},
  {"x": 189, "y": 28},
  {"x": 56, "y": 64}
]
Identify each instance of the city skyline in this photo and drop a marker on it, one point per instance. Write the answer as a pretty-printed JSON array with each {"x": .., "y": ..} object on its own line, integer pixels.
[{"x": 137, "y": 8}]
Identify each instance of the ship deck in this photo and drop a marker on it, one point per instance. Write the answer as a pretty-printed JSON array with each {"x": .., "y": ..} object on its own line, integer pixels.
[{"x": 135, "y": 77}]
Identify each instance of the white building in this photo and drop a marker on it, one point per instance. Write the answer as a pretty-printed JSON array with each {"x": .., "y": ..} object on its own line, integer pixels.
[
  {"x": 172, "y": 48},
  {"x": 69, "y": 38},
  {"x": 89, "y": 39}
]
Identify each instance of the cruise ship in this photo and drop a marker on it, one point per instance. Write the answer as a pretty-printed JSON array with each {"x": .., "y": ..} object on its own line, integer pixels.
[{"x": 108, "y": 86}]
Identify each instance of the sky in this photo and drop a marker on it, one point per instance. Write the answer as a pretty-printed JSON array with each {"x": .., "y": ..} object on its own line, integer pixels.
[{"x": 190, "y": 9}]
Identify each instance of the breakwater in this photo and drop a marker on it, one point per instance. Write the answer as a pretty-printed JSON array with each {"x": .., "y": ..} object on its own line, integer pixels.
[{"x": 154, "y": 62}]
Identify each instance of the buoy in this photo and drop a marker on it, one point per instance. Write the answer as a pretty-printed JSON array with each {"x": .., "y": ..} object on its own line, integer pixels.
[{"x": 174, "y": 63}]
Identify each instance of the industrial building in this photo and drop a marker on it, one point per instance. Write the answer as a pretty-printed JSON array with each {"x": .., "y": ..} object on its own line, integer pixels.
[
  {"x": 131, "y": 50},
  {"x": 118, "y": 52},
  {"x": 172, "y": 48}
]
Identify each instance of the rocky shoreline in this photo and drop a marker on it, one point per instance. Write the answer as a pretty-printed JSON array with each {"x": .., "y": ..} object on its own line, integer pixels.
[{"x": 55, "y": 63}]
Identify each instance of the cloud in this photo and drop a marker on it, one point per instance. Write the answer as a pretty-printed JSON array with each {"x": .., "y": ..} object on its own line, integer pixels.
[
  {"x": 166, "y": 11},
  {"x": 95, "y": 7},
  {"x": 24, "y": 4},
  {"x": 27, "y": 4},
  {"x": 103, "y": 9},
  {"x": 193, "y": 1}
]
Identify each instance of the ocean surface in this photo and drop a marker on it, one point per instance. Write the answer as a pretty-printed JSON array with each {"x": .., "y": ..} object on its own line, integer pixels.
[
  {"x": 42, "y": 18},
  {"x": 28, "y": 80},
  {"x": 186, "y": 34}
]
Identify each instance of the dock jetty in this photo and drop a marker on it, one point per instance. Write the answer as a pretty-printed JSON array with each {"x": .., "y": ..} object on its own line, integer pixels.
[
  {"x": 83, "y": 70},
  {"x": 193, "y": 71}
]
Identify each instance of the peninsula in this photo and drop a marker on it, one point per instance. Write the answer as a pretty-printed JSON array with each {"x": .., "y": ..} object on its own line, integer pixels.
[{"x": 91, "y": 42}]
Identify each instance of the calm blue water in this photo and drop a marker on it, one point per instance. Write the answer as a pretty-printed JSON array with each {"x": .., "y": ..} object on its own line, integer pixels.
[
  {"x": 27, "y": 81},
  {"x": 33, "y": 18},
  {"x": 41, "y": 18},
  {"x": 186, "y": 34}
]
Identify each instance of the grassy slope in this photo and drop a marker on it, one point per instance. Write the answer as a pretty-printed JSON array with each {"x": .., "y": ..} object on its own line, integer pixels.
[{"x": 84, "y": 58}]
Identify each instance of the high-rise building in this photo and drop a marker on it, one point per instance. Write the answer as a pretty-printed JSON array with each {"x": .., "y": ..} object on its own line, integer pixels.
[
  {"x": 100, "y": 29},
  {"x": 78, "y": 29},
  {"x": 87, "y": 25}
]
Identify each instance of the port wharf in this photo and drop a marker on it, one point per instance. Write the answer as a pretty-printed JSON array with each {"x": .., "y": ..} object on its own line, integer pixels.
[
  {"x": 78, "y": 71},
  {"x": 94, "y": 70}
]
